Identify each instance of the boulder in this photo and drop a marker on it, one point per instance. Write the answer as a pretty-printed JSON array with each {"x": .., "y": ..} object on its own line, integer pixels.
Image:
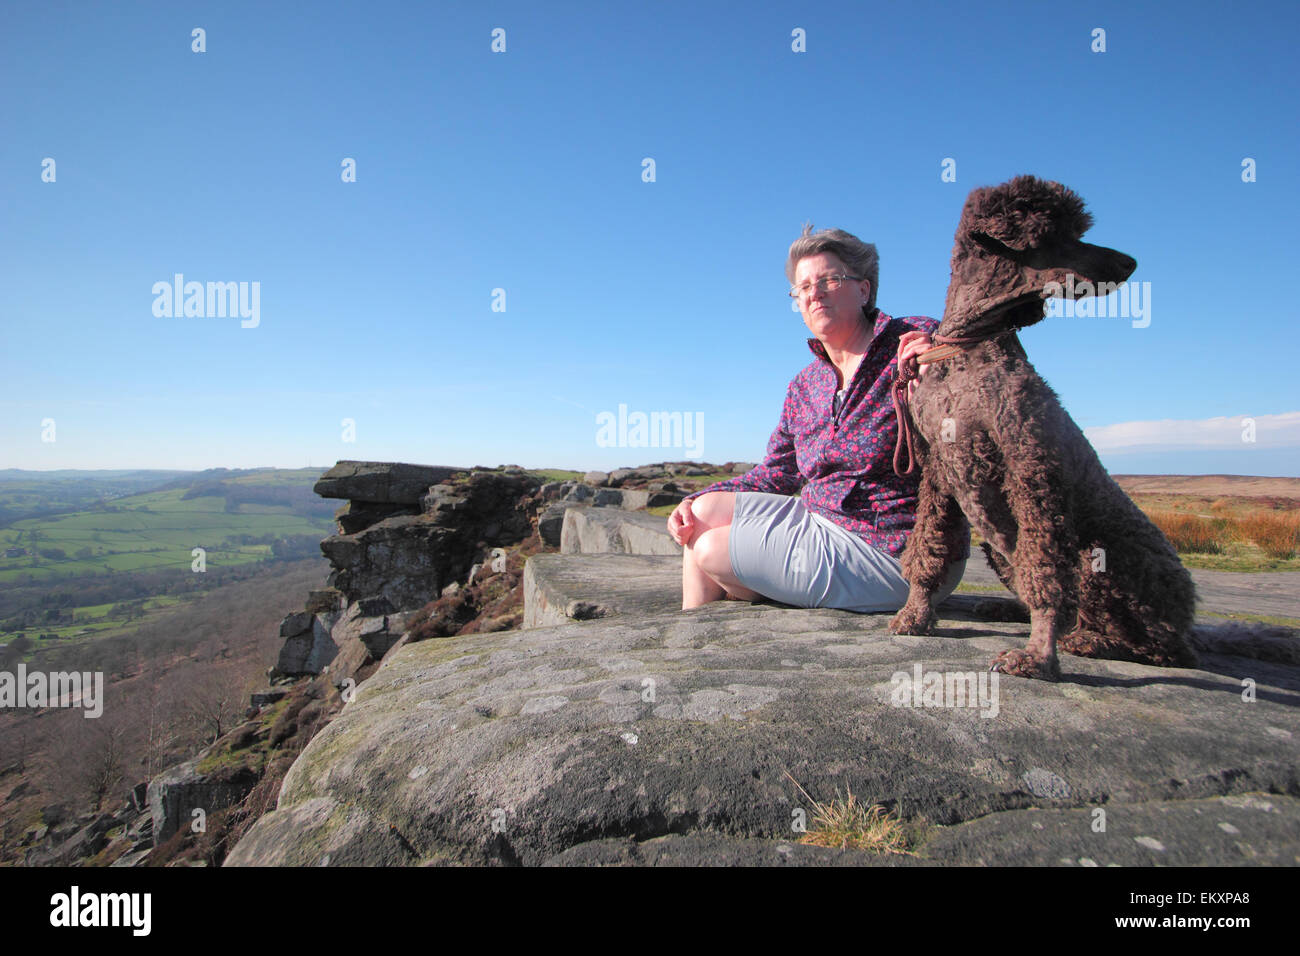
[
  {"x": 295, "y": 623},
  {"x": 580, "y": 493},
  {"x": 309, "y": 650},
  {"x": 552, "y": 490},
  {"x": 324, "y": 601},
  {"x": 611, "y": 530},
  {"x": 266, "y": 697},
  {"x": 630, "y": 499},
  {"x": 403, "y": 559},
  {"x": 362, "y": 640},
  {"x": 551, "y": 524},
  {"x": 381, "y": 481},
  {"x": 563, "y": 587},
  {"x": 661, "y": 498},
  {"x": 177, "y": 793}
]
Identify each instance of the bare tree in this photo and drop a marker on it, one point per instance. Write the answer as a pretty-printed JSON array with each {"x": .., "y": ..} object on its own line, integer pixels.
[
  {"x": 90, "y": 754},
  {"x": 156, "y": 717},
  {"x": 104, "y": 770},
  {"x": 212, "y": 698}
]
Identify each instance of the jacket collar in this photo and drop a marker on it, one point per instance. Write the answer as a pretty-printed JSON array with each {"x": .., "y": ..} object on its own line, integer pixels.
[{"x": 881, "y": 323}]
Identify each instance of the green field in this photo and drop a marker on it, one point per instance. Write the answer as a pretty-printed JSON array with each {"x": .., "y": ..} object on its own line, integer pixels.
[
  {"x": 92, "y": 622},
  {"x": 158, "y": 530}
]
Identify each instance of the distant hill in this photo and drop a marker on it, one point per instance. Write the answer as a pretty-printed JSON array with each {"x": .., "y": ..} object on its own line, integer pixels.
[
  {"x": 26, "y": 494},
  {"x": 96, "y": 474},
  {"x": 1211, "y": 486}
]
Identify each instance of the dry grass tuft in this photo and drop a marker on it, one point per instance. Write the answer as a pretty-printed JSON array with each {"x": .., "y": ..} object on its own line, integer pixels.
[{"x": 844, "y": 823}]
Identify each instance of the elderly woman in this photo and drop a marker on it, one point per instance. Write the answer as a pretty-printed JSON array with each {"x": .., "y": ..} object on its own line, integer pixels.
[{"x": 823, "y": 520}]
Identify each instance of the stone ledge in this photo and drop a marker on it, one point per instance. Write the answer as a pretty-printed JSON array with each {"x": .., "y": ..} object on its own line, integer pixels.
[
  {"x": 601, "y": 585},
  {"x": 634, "y": 585},
  {"x": 615, "y": 531},
  {"x": 688, "y": 722},
  {"x": 382, "y": 482}
]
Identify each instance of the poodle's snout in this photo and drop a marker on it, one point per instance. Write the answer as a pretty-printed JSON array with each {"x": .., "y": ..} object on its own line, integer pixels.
[{"x": 1079, "y": 269}]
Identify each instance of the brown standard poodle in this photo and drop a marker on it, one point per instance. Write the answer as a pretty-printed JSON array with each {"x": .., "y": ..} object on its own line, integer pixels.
[{"x": 1098, "y": 578}]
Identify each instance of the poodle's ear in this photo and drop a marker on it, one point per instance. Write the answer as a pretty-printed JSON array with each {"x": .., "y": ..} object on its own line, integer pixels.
[{"x": 994, "y": 246}]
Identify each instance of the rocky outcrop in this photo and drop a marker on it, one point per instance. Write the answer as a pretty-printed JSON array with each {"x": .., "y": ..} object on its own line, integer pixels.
[
  {"x": 398, "y": 561},
  {"x": 522, "y": 746},
  {"x": 407, "y": 532},
  {"x": 616, "y": 729},
  {"x": 107, "y": 837},
  {"x": 377, "y": 483}
]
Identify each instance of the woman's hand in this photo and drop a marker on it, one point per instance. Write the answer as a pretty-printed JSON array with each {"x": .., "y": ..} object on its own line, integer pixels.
[
  {"x": 910, "y": 344},
  {"x": 681, "y": 523}
]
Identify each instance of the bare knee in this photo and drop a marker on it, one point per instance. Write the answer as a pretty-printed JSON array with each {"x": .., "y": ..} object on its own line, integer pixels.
[
  {"x": 712, "y": 554},
  {"x": 714, "y": 510}
]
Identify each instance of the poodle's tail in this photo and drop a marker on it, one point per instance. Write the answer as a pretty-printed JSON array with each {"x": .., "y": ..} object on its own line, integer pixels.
[{"x": 1264, "y": 642}]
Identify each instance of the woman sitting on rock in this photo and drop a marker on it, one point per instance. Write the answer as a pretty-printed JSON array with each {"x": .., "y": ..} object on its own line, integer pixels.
[{"x": 823, "y": 520}]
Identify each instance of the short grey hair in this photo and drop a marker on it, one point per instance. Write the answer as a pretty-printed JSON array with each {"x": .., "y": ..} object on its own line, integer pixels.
[{"x": 860, "y": 258}]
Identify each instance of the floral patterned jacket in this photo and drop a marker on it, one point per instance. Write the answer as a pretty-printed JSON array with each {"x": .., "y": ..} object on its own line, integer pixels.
[{"x": 841, "y": 462}]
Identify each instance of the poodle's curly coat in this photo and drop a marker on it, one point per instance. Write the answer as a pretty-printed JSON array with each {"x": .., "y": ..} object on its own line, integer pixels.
[{"x": 1098, "y": 578}]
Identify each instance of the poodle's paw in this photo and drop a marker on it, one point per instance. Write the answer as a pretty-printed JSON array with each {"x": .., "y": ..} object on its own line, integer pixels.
[
  {"x": 1020, "y": 663},
  {"x": 913, "y": 620}
]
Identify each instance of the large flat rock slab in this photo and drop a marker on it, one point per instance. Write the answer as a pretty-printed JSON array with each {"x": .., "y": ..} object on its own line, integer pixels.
[
  {"x": 615, "y": 531},
  {"x": 1249, "y": 829},
  {"x": 381, "y": 481},
  {"x": 1244, "y": 830},
  {"x": 563, "y": 587},
  {"x": 519, "y": 746}
]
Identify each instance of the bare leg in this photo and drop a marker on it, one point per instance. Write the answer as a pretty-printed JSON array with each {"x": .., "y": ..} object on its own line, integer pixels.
[{"x": 706, "y": 559}]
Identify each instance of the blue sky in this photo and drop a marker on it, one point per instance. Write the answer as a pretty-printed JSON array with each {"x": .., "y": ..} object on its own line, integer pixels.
[{"x": 522, "y": 171}]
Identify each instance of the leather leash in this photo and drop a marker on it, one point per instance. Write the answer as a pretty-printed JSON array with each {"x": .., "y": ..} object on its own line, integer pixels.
[{"x": 949, "y": 345}]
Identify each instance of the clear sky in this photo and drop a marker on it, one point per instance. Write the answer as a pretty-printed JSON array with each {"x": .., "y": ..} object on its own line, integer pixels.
[{"x": 516, "y": 180}]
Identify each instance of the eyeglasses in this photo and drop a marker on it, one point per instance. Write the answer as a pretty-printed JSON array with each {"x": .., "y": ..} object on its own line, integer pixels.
[{"x": 824, "y": 284}]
